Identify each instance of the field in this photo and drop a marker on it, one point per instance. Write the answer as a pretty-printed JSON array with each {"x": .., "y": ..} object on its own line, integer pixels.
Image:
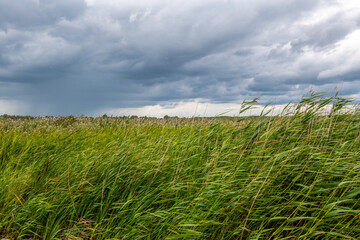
[{"x": 291, "y": 176}]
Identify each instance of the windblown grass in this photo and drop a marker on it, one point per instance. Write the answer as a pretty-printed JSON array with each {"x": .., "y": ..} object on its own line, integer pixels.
[{"x": 293, "y": 176}]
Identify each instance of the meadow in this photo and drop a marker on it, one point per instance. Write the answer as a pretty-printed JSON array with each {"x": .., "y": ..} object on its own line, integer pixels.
[{"x": 291, "y": 176}]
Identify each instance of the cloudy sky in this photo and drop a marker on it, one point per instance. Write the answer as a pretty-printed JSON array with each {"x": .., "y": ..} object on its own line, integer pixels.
[{"x": 175, "y": 57}]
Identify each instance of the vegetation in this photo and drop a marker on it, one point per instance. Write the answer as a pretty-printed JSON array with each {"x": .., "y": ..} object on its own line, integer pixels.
[{"x": 292, "y": 176}]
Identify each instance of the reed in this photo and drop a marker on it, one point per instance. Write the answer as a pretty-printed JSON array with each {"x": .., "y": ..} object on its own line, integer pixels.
[{"x": 291, "y": 176}]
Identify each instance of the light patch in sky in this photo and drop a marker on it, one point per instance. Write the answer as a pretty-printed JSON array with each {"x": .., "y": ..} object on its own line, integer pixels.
[
  {"x": 325, "y": 12},
  {"x": 13, "y": 107},
  {"x": 90, "y": 2},
  {"x": 344, "y": 58},
  {"x": 189, "y": 109}
]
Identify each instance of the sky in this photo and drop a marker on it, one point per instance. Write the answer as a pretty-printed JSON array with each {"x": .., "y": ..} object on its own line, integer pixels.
[{"x": 175, "y": 57}]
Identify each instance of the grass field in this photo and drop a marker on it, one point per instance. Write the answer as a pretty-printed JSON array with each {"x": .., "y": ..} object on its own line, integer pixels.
[{"x": 292, "y": 176}]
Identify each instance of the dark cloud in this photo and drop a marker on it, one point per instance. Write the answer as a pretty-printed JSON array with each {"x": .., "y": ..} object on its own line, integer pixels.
[{"x": 73, "y": 57}]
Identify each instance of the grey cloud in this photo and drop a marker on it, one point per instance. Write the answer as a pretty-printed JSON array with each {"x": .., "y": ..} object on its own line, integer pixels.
[
  {"x": 70, "y": 58},
  {"x": 268, "y": 86},
  {"x": 34, "y": 14},
  {"x": 243, "y": 52},
  {"x": 34, "y": 57},
  {"x": 348, "y": 77},
  {"x": 325, "y": 33}
]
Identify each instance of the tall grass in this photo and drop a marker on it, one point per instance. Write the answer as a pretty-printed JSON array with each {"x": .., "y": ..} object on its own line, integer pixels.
[{"x": 292, "y": 176}]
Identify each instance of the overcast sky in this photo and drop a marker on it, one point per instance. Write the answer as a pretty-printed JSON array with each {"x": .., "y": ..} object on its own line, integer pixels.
[{"x": 72, "y": 57}]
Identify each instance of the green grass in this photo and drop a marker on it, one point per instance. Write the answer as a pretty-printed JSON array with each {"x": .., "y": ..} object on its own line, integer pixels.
[{"x": 293, "y": 176}]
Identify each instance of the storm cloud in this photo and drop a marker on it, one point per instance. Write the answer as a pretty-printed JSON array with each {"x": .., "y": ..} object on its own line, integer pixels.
[{"x": 63, "y": 57}]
